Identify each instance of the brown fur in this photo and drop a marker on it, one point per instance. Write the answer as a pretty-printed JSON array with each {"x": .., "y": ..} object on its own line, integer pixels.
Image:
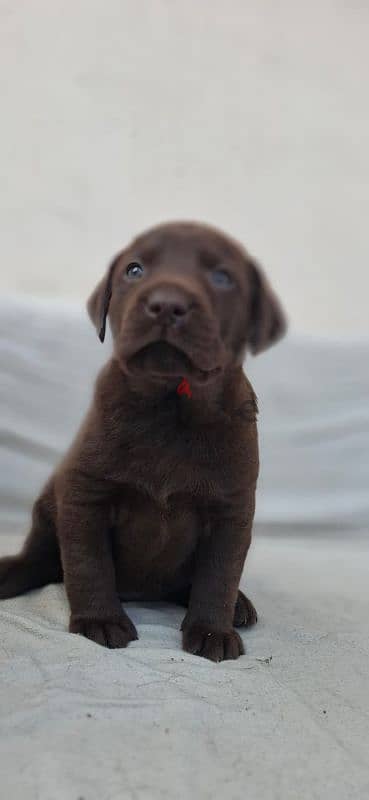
[{"x": 156, "y": 496}]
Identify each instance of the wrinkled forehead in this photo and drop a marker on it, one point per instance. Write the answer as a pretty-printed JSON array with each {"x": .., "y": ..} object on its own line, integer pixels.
[{"x": 186, "y": 241}]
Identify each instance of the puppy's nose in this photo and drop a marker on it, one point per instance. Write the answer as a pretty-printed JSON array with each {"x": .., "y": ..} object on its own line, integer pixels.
[{"x": 167, "y": 305}]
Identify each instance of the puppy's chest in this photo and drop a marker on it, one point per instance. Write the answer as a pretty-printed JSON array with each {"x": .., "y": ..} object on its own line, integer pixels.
[{"x": 170, "y": 463}]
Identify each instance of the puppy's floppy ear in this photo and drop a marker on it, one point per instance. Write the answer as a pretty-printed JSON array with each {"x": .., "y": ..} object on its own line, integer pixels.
[
  {"x": 98, "y": 303},
  {"x": 267, "y": 322}
]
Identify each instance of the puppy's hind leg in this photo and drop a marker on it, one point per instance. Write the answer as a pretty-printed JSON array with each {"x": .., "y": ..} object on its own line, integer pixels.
[{"x": 38, "y": 563}]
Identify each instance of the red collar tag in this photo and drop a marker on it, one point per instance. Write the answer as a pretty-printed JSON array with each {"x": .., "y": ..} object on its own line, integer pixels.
[{"x": 184, "y": 387}]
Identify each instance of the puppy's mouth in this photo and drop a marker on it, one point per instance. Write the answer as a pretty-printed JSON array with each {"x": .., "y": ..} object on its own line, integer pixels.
[{"x": 161, "y": 359}]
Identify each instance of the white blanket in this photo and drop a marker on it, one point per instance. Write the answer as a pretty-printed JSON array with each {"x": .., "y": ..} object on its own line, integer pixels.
[{"x": 288, "y": 720}]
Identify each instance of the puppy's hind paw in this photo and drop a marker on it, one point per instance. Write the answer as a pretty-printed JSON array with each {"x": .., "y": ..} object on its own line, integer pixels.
[
  {"x": 244, "y": 614},
  {"x": 13, "y": 577}
]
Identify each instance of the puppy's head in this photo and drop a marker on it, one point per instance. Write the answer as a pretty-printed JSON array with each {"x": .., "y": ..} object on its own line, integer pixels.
[{"x": 184, "y": 299}]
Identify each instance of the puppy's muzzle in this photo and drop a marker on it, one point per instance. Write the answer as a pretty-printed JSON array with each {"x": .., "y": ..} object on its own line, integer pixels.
[
  {"x": 169, "y": 330},
  {"x": 168, "y": 305}
]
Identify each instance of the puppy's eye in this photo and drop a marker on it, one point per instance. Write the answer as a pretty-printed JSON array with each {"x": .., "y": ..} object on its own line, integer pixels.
[
  {"x": 221, "y": 279},
  {"x": 134, "y": 270}
]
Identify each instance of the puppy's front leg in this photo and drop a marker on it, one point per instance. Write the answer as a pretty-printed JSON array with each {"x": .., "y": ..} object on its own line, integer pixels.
[
  {"x": 208, "y": 625},
  {"x": 89, "y": 575}
]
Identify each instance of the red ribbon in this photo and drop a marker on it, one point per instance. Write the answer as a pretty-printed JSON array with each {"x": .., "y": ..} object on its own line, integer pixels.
[{"x": 184, "y": 388}]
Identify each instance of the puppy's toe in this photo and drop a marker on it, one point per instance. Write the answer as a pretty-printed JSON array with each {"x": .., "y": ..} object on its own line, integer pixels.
[
  {"x": 244, "y": 613},
  {"x": 120, "y": 635}
]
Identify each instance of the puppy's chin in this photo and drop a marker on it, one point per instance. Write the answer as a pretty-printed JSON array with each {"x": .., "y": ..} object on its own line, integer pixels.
[{"x": 164, "y": 363}]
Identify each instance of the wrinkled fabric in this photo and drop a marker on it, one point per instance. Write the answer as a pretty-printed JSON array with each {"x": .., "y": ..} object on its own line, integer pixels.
[{"x": 289, "y": 719}]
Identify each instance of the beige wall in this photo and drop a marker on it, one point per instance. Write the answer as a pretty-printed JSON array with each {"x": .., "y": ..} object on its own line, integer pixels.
[{"x": 116, "y": 114}]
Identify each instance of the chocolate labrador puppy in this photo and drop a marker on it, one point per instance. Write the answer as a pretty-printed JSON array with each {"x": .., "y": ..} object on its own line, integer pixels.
[{"x": 156, "y": 496}]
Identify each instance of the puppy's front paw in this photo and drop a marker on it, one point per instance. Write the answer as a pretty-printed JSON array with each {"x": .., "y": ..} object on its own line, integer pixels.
[
  {"x": 217, "y": 645},
  {"x": 110, "y": 632}
]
